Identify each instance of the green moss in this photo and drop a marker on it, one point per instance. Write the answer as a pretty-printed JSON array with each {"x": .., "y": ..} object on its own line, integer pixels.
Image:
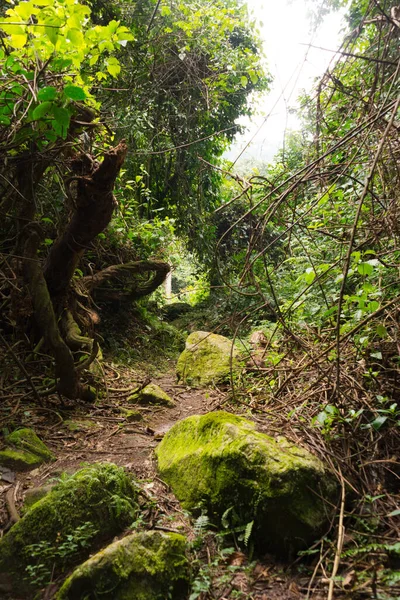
[
  {"x": 26, "y": 439},
  {"x": 18, "y": 460},
  {"x": 207, "y": 358},
  {"x": 152, "y": 394},
  {"x": 142, "y": 566},
  {"x": 102, "y": 495},
  {"x": 131, "y": 415},
  {"x": 25, "y": 452},
  {"x": 79, "y": 424},
  {"x": 219, "y": 461}
]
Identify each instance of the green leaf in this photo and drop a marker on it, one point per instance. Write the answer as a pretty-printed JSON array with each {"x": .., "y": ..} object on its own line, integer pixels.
[
  {"x": 12, "y": 29},
  {"x": 18, "y": 41},
  {"x": 4, "y": 120},
  {"x": 243, "y": 81},
  {"x": 62, "y": 118},
  {"x": 309, "y": 276},
  {"x": 76, "y": 37},
  {"x": 394, "y": 513},
  {"x": 365, "y": 268},
  {"x": 253, "y": 77},
  {"x": 74, "y": 92},
  {"x": 373, "y": 306},
  {"x": 93, "y": 59},
  {"x": 42, "y": 109},
  {"x": 378, "y": 422},
  {"x": 47, "y": 93},
  {"x": 381, "y": 331},
  {"x": 113, "y": 66},
  {"x": 24, "y": 9}
]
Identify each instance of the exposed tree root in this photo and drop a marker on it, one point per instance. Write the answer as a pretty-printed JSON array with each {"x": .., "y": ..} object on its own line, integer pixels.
[{"x": 72, "y": 334}]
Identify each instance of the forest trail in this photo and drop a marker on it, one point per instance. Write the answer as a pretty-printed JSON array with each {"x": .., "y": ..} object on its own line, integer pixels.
[
  {"x": 85, "y": 434},
  {"x": 102, "y": 432}
]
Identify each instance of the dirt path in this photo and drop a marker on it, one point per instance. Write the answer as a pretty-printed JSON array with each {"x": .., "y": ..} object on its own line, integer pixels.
[{"x": 103, "y": 433}]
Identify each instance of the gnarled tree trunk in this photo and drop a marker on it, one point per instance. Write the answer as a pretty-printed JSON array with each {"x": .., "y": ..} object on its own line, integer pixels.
[{"x": 94, "y": 202}]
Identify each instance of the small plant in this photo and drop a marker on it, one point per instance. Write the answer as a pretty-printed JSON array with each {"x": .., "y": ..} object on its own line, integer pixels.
[
  {"x": 207, "y": 574},
  {"x": 232, "y": 525},
  {"x": 45, "y": 554}
]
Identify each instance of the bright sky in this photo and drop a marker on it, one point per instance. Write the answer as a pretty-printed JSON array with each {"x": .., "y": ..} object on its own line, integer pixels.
[{"x": 286, "y": 33}]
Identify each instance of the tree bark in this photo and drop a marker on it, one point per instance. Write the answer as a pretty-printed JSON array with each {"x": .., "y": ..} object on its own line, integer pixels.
[
  {"x": 94, "y": 202},
  {"x": 158, "y": 268},
  {"x": 68, "y": 379}
]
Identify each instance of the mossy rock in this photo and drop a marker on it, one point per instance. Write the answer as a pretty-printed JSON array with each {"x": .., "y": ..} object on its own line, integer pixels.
[
  {"x": 152, "y": 394},
  {"x": 25, "y": 451},
  {"x": 98, "y": 501},
  {"x": 142, "y": 566},
  {"x": 207, "y": 359},
  {"x": 132, "y": 416},
  {"x": 74, "y": 425},
  {"x": 218, "y": 461},
  {"x": 35, "y": 494}
]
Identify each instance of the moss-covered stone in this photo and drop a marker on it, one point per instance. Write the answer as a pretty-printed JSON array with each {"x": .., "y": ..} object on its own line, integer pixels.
[
  {"x": 220, "y": 462},
  {"x": 142, "y": 566},
  {"x": 25, "y": 451},
  {"x": 100, "y": 498},
  {"x": 152, "y": 394},
  {"x": 18, "y": 460},
  {"x": 79, "y": 424},
  {"x": 207, "y": 359},
  {"x": 133, "y": 416},
  {"x": 35, "y": 494}
]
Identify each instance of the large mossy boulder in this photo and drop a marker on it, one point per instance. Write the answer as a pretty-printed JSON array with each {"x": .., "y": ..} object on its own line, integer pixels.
[
  {"x": 24, "y": 451},
  {"x": 221, "y": 463},
  {"x": 88, "y": 507},
  {"x": 142, "y": 566},
  {"x": 207, "y": 359}
]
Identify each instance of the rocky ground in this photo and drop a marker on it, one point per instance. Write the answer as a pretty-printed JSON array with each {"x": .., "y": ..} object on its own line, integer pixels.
[{"x": 114, "y": 430}]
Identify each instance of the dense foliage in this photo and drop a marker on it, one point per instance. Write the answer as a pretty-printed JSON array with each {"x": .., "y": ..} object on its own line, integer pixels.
[
  {"x": 185, "y": 81},
  {"x": 323, "y": 257},
  {"x": 114, "y": 117},
  {"x": 172, "y": 84}
]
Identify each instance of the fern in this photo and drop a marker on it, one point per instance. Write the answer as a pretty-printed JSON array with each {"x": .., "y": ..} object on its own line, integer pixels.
[
  {"x": 201, "y": 525},
  {"x": 224, "y": 519},
  {"x": 247, "y": 532}
]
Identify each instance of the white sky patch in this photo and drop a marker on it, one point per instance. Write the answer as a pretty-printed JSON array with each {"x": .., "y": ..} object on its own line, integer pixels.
[{"x": 286, "y": 35}]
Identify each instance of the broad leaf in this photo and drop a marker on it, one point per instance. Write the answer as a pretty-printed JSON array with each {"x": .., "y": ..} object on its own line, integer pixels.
[{"x": 74, "y": 92}]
